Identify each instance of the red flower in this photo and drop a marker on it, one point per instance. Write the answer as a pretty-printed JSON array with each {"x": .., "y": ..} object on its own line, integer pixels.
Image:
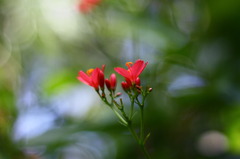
[
  {"x": 93, "y": 77},
  {"x": 86, "y": 6},
  {"x": 133, "y": 71},
  {"x": 111, "y": 82}
]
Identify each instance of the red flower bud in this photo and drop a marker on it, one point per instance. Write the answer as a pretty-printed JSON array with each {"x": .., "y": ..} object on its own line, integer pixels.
[
  {"x": 111, "y": 82},
  {"x": 118, "y": 94},
  {"x": 125, "y": 86},
  {"x": 107, "y": 82},
  {"x": 149, "y": 89},
  {"x": 138, "y": 81},
  {"x": 103, "y": 67}
]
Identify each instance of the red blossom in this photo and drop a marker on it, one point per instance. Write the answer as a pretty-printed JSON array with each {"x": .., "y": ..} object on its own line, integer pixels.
[
  {"x": 132, "y": 73},
  {"x": 93, "y": 77},
  {"x": 86, "y": 6},
  {"x": 111, "y": 82}
]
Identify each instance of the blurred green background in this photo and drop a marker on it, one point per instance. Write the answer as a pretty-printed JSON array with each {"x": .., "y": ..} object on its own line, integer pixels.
[{"x": 193, "y": 50}]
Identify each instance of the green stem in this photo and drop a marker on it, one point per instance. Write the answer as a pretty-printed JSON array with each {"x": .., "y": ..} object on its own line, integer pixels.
[
  {"x": 119, "y": 116},
  {"x": 134, "y": 134},
  {"x": 111, "y": 106},
  {"x": 145, "y": 152},
  {"x": 132, "y": 108},
  {"x": 142, "y": 135},
  {"x": 141, "y": 126},
  {"x": 139, "y": 141},
  {"x": 125, "y": 115}
]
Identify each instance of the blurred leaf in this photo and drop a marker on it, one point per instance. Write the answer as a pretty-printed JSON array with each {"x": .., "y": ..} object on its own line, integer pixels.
[{"x": 59, "y": 81}]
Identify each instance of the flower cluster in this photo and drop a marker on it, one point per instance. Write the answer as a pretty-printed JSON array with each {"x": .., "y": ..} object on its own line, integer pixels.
[
  {"x": 132, "y": 86},
  {"x": 95, "y": 77}
]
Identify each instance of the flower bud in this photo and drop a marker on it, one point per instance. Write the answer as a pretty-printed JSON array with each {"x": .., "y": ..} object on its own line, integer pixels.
[
  {"x": 113, "y": 81},
  {"x": 118, "y": 94},
  {"x": 139, "y": 88},
  {"x": 107, "y": 82},
  {"x": 103, "y": 67},
  {"x": 138, "y": 81},
  {"x": 149, "y": 90},
  {"x": 125, "y": 86}
]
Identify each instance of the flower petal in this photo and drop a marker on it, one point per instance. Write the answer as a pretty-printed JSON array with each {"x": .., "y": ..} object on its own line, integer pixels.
[
  {"x": 84, "y": 78},
  {"x": 101, "y": 78},
  {"x": 95, "y": 77},
  {"x": 123, "y": 72},
  {"x": 138, "y": 67}
]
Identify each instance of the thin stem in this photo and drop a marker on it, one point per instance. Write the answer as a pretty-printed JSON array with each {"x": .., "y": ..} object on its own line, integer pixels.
[
  {"x": 134, "y": 134},
  {"x": 139, "y": 141},
  {"x": 111, "y": 106},
  {"x": 142, "y": 140},
  {"x": 119, "y": 116},
  {"x": 116, "y": 112},
  {"x": 141, "y": 126},
  {"x": 145, "y": 152},
  {"x": 125, "y": 115},
  {"x": 141, "y": 106},
  {"x": 132, "y": 107}
]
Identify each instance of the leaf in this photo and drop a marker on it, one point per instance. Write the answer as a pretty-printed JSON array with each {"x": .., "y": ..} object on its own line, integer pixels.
[{"x": 146, "y": 138}]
